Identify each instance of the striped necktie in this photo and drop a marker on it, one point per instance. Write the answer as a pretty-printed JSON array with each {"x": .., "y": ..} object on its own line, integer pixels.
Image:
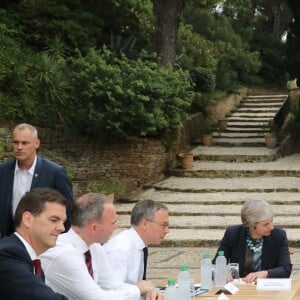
[
  {"x": 88, "y": 262},
  {"x": 145, "y": 250}
]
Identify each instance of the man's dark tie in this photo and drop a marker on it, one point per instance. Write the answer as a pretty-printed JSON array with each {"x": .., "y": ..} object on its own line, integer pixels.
[
  {"x": 38, "y": 268},
  {"x": 88, "y": 261},
  {"x": 145, "y": 250}
]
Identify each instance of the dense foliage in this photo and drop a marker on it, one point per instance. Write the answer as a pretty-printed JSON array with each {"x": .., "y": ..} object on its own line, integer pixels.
[
  {"x": 92, "y": 66},
  {"x": 128, "y": 97}
]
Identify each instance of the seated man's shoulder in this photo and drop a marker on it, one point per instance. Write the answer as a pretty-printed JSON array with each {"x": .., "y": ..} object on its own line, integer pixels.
[{"x": 121, "y": 240}]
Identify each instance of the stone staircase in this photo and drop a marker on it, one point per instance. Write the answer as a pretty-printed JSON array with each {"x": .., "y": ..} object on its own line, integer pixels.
[
  {"x": 246, "y": 124},
  {"x": 206, "y": 199}
]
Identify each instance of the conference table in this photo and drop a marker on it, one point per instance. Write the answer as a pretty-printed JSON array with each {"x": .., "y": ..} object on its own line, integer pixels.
[{"x": 249, "y": 292}]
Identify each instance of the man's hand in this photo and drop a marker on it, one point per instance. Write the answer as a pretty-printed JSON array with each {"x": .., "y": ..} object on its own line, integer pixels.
[
  {"x": 148, "y": 290},
  {"x": 154, "y": 295},
  {"x": 145, "y": 286}
]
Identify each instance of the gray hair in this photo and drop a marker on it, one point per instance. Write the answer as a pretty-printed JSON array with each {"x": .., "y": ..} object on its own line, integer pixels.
[
  {"x": 88, "y": 207},
  {"x": 254, "y": 211},
  {"x": 27, "y": 126},
  {"x": 145, "y": 209}
]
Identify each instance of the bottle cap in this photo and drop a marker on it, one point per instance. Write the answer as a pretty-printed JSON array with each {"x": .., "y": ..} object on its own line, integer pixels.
[
  {"x": 221, "y": 253},
  {"x": 205, "y": 255},
  {"x": 171, "y": 281},
  {"x": 183, "y": 267}
]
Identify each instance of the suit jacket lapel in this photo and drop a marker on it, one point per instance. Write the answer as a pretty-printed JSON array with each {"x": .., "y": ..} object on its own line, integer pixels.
[
  {"x": 242, "y": 248},
  {"x": 37, "y": 171}
]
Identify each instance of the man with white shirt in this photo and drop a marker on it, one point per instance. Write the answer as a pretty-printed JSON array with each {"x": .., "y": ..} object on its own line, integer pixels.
[
  {"x": 39, "y": 220},
  {"x": 25, "y": 172},
  {"x": 78, "y": 268},
  {"x": 127, "y": 251}
]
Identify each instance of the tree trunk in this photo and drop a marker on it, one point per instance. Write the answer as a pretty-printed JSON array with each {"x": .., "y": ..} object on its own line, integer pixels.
[{"x": 167, "y": 14}]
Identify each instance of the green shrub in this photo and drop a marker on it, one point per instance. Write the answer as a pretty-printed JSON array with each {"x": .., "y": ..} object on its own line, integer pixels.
[
  {"x": 122, "y": 97},
  {"x": 204, "y": 80},
  {"x": 107, "y": 186}
]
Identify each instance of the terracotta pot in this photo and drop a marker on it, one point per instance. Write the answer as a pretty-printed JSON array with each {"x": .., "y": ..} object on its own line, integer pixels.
[
  {"x": 271, "y": 141},
  {"x": 222, "y": 124},
  {"x": 207, "y": 139},
  {"x": 186, "y": 160}
]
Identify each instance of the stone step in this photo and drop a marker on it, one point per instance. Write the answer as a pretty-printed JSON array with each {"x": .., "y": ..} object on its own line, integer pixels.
[
  {"x": 192, "y": 209},
  {"x": 202, "y": 237},
  {"x": 282, "y": 164},
  {"x": 232, "y": 129},
  {"x": 248, "y": 142},
  {"x": 258, "y": 109},
  {"x": 236, "y": 154},
  {"x": 207, "y": 198},
  {"x": 265, "y": 105},
  {"x": 212, "y": 237},
  {"x": 247, "y": 123},
  {"x": 244, "y": 184},
  {"x": 219, "y": 173},
  {"x": 250, "y": 120},
  {"x": 262, "y": 115},
  {"x": 216, "y": 221},
  {"x": 267, "y": 97},
  {"x": 237, "y": 135}
]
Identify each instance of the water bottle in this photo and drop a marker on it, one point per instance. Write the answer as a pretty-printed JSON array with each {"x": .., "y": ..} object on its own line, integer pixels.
[
  {"x": 171, "y": 292},
  {"x": 221, "y": 270},
  {"x": 206, "y": 272},
  {"x": 184, "y": 283}
]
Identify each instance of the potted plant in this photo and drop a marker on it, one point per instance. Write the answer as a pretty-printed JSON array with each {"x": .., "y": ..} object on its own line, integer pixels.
[
  {"x": 207, "y": 128},
  {"x": 108, "y": 188},
  {"x": 186, "y": 159}
]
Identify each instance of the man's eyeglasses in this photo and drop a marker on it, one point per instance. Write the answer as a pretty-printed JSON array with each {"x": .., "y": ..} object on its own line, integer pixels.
[{"x": 164, "y": 225}]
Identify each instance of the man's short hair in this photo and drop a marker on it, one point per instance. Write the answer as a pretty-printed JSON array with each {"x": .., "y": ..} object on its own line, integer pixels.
[
  {"x": 35, "y": 200},
  {"x": 88, "y": 207},
  {"x": 22, "y": 126},
  {"x": 145, "y": 209}
]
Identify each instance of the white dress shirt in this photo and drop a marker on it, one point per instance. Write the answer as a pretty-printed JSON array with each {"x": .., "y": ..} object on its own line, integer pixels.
[
  {"x": 66, "y": 272},
  {"x": 125, "y": 254},
  {"x": 22, "y": 184}
]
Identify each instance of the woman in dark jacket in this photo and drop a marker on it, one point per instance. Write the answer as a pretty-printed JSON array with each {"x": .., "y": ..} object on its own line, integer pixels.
[{"x": 260, "y": 249}]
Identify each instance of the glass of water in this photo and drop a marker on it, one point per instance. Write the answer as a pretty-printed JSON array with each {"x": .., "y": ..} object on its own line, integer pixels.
[{"x": 233, "y": 270}]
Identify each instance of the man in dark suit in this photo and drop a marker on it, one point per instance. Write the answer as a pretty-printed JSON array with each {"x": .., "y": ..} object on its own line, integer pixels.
[
  {"x": 26, "y": 172},
  {"x": 39, "y": 220}
]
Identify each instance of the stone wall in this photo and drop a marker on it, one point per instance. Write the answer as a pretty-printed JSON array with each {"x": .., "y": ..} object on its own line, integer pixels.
[{"x": 135, "y": 164}]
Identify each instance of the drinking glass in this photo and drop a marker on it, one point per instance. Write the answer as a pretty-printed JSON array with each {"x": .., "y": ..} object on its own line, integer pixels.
[{"x": 233, "y": 270}]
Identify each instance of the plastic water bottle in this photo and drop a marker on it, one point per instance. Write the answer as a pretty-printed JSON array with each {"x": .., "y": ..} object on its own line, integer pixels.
[
  {"x": 206, "y": 272},
  {"x": 221, "y": 270},
  {"x": 171, "y": 292},
  {"x": 184, "y": 283}
]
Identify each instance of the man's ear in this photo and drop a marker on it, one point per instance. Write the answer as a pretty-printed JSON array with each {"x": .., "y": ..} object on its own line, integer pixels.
[
  {"x": 93, "y": 225},
  {"x": 27, "y": 218},
  {"x": 144, "y": 223},
  {"x": 37, "y": 143}
]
